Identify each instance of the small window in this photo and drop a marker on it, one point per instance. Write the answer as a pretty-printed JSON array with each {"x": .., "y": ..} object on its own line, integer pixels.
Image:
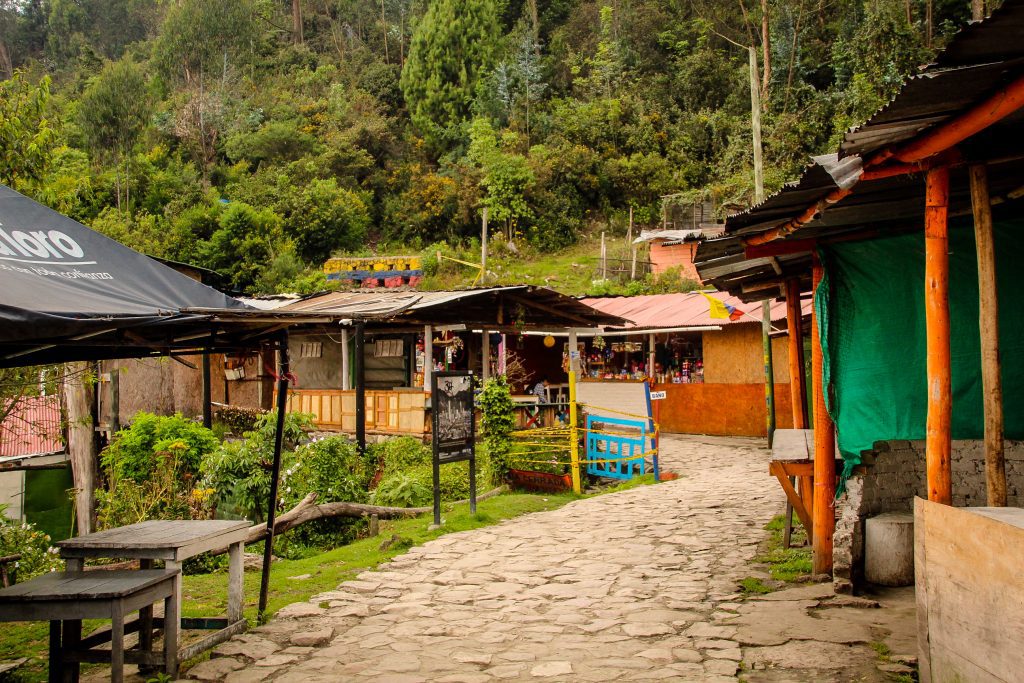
[
  {"x": 389, "y": 348},
  {"x": 311, "y": 350}
]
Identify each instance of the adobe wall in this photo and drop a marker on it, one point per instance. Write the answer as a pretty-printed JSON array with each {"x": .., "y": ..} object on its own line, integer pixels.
[{"x": 894, "y": 472}]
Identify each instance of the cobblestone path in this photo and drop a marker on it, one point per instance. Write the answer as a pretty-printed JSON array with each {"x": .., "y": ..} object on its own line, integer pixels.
[{"x": 637, "y": 585}]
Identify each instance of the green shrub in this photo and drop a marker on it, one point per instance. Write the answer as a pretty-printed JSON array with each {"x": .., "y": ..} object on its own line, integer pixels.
[
  {"x": 240, "y": 472},
  {"x": 403, "y": 490},
  {"x": 132, "y": 455},
  {"x": 399, "y": 454},
  {"x": 239, "y": 420},
  {"x": 497, "y": 424},
  {"x": 168, "y": 493},
  {"x": 37, "y": 556}
]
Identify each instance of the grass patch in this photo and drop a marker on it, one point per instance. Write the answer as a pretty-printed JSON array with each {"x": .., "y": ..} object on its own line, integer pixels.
[
  {"x": 754, "y": 586},
  {"x": 783, "y": 564},
  {"x": 205, "y": 595}
]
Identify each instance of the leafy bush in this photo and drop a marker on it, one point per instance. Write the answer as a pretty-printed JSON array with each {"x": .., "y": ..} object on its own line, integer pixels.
[
  {"x": 402, "y": 490},
  {"x": 167, "y": 493},
  {"x": 497, "y": 424},
  {"x": 239, "y": 420},
  {"x": 133, "y": 453},
  {"x": 240, "y": 472},
  {"x": 37, "y": 556},
  {"x": 334, "y": 470}
]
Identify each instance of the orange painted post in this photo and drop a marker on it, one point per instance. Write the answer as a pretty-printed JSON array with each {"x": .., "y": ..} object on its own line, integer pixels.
[
  {"x": 797, "y": 377},
  {"x": 936, "y": 296},
  {"x": 824, "y": 520}
]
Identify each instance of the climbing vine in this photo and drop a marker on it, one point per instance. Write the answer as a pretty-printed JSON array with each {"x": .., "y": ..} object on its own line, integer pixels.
[{"x": 497, "y": 423}]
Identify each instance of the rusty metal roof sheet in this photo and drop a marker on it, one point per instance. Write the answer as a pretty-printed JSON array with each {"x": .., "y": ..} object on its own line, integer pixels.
[
  {"x": 32, "y": 428},
  {"x": 689, "y": 309}
]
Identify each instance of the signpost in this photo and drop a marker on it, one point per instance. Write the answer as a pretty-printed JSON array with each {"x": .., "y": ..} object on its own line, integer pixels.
[{"x": 451, "y": 396}]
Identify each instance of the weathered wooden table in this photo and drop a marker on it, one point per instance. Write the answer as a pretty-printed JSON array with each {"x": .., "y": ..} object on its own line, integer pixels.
[
  {"x": 173, "y": 542},
  {"x": 65, "y": 598}
]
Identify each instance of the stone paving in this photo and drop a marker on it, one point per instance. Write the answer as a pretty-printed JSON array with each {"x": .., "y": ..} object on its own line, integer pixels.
[{"x": 637, "y": 585}]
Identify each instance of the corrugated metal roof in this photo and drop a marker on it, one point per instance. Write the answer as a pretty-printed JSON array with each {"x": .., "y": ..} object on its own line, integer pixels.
[
  {"x": 677, "y": 236},
  {"x": 687, "y": 309},
  {"x": 470, "y": 306},
  {"x": 33, "y": 428}
]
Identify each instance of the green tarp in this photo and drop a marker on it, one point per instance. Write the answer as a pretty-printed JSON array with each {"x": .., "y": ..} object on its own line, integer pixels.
[{"x": 873, "y": 316}]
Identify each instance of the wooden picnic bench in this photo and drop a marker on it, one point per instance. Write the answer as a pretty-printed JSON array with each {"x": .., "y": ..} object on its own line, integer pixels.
[
  {"x": 792, "y": 464},
  {"x": 66, "y": 598},
  {"x": 173, "y": 542}
]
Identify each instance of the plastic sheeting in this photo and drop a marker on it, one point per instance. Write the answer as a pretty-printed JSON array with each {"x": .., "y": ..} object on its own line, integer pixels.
[{"x": 873, "y": 315}]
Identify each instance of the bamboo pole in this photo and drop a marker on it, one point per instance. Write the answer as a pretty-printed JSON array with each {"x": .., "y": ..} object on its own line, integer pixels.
[
  {"x": 936, "y": 240},
  {"x": 988, "y": 323},
  {"x": 797, "y": 376},
  {"x": 823, "y": 520}
]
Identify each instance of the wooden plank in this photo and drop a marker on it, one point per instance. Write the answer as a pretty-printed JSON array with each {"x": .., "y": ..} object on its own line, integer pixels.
[
  {"x": 211, "y": 640},
  {"x": 93, "y": 585},
  {"x": 794, "y": 499},
  {"x": 151, "y": 535}
]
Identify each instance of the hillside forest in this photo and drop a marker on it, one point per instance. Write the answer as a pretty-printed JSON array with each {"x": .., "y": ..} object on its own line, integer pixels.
[{"x": 259, "y": 137}]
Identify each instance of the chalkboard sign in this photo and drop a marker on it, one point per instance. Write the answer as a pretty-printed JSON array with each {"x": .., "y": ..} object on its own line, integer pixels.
[{"x": 451, "y": 396}]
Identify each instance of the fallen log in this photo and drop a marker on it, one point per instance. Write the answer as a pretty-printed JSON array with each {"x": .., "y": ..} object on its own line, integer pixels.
[{"x": 307, "y": 510}]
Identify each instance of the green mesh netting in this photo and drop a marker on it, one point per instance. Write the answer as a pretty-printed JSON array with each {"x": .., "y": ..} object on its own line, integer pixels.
[{"x": 872, "y": 315}]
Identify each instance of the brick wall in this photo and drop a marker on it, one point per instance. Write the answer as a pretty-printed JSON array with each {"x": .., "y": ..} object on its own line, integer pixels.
[{"x": 893, "y": 474}]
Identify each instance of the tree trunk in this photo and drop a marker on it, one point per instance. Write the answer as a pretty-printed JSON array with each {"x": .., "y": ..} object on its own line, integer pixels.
[
  {"x": 6, "y": 67},
  {"x": 384, "y": 29},
  {"x": 766, "y": 49},
  {"x": 535, "y": 25},
  {"x": 80, "y": 402},
  {"x": 297, "y": 22}
]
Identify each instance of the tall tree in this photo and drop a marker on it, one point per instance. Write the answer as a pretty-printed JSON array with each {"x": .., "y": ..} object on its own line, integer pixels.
[
  {"x": 27, "y": 135},
  {"x": 115, "y": 110},
  {"x": 451, "y": 49}
]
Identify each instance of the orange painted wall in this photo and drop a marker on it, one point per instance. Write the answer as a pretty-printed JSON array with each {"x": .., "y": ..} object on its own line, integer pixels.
[{"x": 721, "y": 409}]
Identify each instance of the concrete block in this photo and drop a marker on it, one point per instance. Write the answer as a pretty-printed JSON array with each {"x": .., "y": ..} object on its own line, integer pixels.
[{"x": 889, "y": 549}]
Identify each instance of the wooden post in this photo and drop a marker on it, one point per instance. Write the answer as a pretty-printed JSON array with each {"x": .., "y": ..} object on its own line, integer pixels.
[
  {"x": 988, "y": 323},
  {"x": 346, "y": 369},
  {"x": 275, "y": 472},
  {"x": 936, "y": 294},
  {"x": 483, "y": 249},
  {"x": 207, "y": 408},
  {"x": 797, "y": 378},
  {"x": 428, "y": 355},
  {"x": 80, "y": 403},
  {"x": 755, "y": 124},
  {"x": 115, "y": 401},
  {"x": 604, "y": 259},
  {"x": 361, "y": 386},
  {"x": 823, "y": 519},
  {"x": 769, "y": 369},
  {"x": 574, "y": 439},
  {"x": 485, "y": 348},
  {"x": 651, "y": 342},
  {"x": 502, "y": 356}
]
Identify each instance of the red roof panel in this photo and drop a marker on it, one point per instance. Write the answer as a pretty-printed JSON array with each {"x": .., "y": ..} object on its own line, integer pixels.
[{"x": 686, "y": 309}]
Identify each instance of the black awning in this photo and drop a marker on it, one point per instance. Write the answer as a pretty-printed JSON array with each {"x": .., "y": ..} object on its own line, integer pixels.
[{"x": 68, "y": 292}]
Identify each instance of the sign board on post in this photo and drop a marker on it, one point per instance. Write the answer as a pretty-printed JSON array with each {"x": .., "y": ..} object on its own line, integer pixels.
[{"x": 451, "y": 397}]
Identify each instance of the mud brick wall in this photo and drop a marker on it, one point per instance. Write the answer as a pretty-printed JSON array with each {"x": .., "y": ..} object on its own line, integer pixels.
[{"x": 894, "y": 473}]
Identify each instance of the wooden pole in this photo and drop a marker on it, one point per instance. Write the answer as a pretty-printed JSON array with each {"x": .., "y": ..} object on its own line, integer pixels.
[
  {"x": 485, "y": 343},
  {"x": 80, "y": 404},
  {"x": 977, "y": 10},
  {"x": 823, "y": 515},
  {"x": 797, "y": 377},
  {"x": 604, "y": 259},
  {"x": 988, "y": 323},
  {"x": 574, "y": 439},
  {"x": 769, "y": 369},
  {"x": 275, "y": 472},
  {"x": 755, "y": 124},
  {"x": 115, "y": 401},
  {"x": 936, "y": 293},
  {"x": 651, "y": 343},
  {"x": 483, "y": 249},
  {"x": 428, "y": 355},
  {"x": 361, "y": 386},
  {"x": 207, "y": 390}
]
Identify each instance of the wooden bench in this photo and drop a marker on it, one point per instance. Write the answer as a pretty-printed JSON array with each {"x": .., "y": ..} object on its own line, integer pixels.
[{"x": 66, "y": 598}]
